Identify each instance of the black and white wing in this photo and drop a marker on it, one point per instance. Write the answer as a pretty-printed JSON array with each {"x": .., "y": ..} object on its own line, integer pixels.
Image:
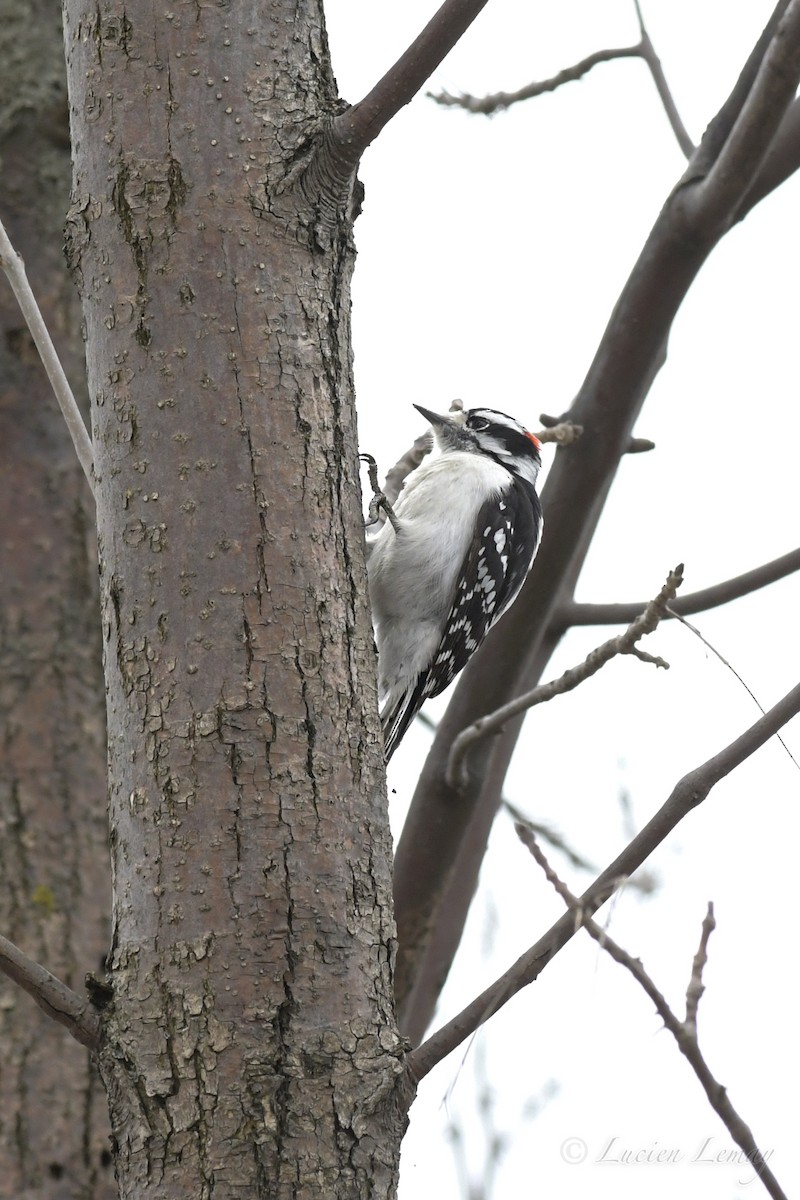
[{"x": 507, "y": 535}]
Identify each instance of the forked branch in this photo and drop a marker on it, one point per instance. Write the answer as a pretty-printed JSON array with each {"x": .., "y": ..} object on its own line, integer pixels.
[
  {"x": 738, "y": 140},
  {"x": 648, "y": 53},
  {"x": 644, "y": 49},
  {"x": 688, "y": 793},
  {"x": 434, "y": 849},
  {"x": 684, "y": 1031},
  {"x": 645, "y": 622}
]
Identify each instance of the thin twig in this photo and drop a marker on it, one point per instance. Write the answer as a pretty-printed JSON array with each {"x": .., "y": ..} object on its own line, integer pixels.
[
  {"x": 684, "y": 1032},
  {"x": 646, "y": 622},
  {"x": 710, "y": 597},
  {"x": 644, "y": 49},
  {"x": 53, "y": 997},
  {"x": 693, "y": 629},
  {"x": 563, "y": 433},
  {"x": 639, "y": 445},
  {"x": 487, "y": 105},
  {"x": 549, "y": 835},
  {"x": 14, "y": 268},
  {"x": 691, "y": 791},
  {"x": 696, "y": 986},
  {"x": 648, "y": 53},
  {"x": 396, "y": 476},
  {"x": 642, "y": 882}
]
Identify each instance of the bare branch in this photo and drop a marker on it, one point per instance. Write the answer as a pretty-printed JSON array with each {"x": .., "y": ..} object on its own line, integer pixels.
[
  {"x": 499, "y": 101},
  {"x": 563, "y": 433},
  {"x": 528, "y": 838},
  {"x": 639, "y": 445},
  {"x": 14, "y": 268},
  {"x": 781, "y": 160},
  {"x": 696, "y": 987},
  {"x": 53, "y": 997},
  {"x": 549, "y": 835},
  {"x": 693, "y": 629},
  {"x": 648, "y": 53},
  {"x": 695, "y": 602},
  {"x": 430, "y": 853},
  {"x": 688, "y": 793},
  {"x": 646, "y": 622},
  {"x": 487, "y": 105},
  {"x": 684, "y": 1032},
  {"x": 745, "y": 148},
  {"x": 360, "y": 124},
  {"x": 720, "y": 127},
  {"x": 396, "y": 475}
]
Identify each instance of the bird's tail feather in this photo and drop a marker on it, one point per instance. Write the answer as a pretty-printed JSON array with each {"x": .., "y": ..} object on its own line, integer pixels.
[{"x": 396, "y": 719}]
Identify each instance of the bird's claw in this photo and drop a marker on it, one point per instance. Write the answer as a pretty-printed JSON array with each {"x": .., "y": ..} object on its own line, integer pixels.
[{"x": 379, "y": 500}]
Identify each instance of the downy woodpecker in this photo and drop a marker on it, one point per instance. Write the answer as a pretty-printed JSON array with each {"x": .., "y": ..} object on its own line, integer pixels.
[{"x": 445, "y": 569}]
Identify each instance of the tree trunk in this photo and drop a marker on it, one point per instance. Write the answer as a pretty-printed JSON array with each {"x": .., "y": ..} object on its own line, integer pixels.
[
  {"x": 250, "y": 1047},
  {"x": 55, "y": 897}
]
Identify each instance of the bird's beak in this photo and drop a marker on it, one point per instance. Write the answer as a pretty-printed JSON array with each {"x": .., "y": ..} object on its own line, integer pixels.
[
  {"x": 434, "y": 418},
  {"x": 449, "y": 432}
]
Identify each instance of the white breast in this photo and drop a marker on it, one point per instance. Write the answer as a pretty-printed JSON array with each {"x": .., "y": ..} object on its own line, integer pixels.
[{"x": 413, "y": 574}]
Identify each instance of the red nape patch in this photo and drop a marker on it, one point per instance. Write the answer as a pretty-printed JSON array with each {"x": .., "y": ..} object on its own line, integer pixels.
[{"x": 534, "y": 439}]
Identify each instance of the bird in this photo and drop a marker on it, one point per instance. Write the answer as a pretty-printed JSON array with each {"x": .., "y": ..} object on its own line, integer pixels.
[{"x": 451, "y": 557}]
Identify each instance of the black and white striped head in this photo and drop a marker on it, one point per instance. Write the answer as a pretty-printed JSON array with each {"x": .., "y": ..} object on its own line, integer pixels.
[{"x": 487, "y": 431}]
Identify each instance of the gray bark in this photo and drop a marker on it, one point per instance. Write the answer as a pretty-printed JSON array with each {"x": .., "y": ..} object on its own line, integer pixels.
[
  {"x": 250, "y": 1047},
  {"x": 55, "y": 894}
]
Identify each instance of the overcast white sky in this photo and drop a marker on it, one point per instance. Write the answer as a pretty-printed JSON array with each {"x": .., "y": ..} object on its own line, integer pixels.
[{"x": 490, "y": 255}]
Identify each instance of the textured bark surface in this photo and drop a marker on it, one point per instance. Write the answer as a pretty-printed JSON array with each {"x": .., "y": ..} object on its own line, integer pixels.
[
  {"x": 250, "y": 1048},
  {"x": 54, "y": 877}
]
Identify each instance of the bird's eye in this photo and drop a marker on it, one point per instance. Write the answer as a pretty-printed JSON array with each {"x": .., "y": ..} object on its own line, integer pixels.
[{"x": 479, "y": 424}]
